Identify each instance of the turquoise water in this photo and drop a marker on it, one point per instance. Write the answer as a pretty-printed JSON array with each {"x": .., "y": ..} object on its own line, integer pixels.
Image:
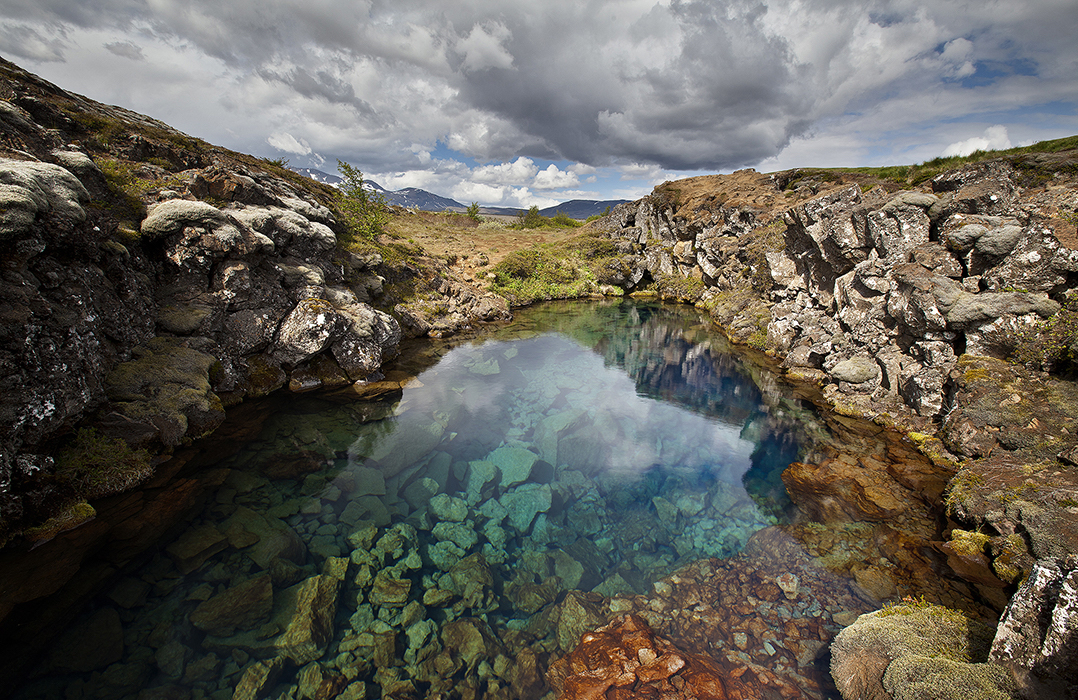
[{"x": 587, "y": 447}]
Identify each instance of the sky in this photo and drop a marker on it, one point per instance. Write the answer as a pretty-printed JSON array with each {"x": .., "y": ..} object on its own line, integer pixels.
[{"x": 524, "y": 102}]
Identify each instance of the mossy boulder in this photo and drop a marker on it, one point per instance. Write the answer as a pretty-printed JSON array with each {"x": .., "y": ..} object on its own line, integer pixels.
[
  {"x": 167, "y": 387},
  {"x": 891, "y": 654}
]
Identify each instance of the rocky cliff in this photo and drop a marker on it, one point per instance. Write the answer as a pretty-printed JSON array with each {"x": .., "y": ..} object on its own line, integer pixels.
[
  {"x": 903, "y": 304},
  {"x": 150, "y": 280}
]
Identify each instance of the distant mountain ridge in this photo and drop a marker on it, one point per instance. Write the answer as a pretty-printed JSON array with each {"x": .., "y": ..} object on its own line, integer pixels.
[{"x": 415, "y": 198}]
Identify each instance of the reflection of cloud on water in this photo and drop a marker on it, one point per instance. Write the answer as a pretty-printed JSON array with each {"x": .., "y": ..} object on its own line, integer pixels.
[
  {"x": 639, "y": 433},
  {"x": 500, "y": 393}
]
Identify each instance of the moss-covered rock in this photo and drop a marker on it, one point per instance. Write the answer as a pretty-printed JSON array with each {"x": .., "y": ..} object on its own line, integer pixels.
[
  {"x": 72, "y": 516},
  {"x": 167, "y": 386},
  {"x": 97, "y": 465},
  {"x": 928, "y": 678},
  {"x": 892, "y": 652}
]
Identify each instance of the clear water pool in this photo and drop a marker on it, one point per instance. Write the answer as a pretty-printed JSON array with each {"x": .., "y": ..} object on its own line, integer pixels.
[{"x": 585, "y": 447}]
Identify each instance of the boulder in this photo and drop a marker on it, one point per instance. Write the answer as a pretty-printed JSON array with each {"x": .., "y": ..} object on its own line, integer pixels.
[
  {"x": 891, "y": 652},
  {"x": 242, "y": 606},
  {"x": 305, "y": 613},
  {"x": 31, "y": 189}
]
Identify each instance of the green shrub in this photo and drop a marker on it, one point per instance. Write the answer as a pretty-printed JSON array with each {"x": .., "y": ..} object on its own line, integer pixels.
[
  {"x": 538, "y": 274},
  {"x": 363, "y": 212},
  {"x": 532, "y": 219},
  {"x": 1050, "y": 345}
]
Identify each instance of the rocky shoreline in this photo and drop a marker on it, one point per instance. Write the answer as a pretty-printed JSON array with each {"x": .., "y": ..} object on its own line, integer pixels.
[{"x": 150, "y": 282}]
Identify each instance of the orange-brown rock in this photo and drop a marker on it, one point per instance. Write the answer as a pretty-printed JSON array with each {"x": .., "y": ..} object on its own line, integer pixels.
[
  {"x": 625, "y": 659},
  {"x": 844, "y": 488}
]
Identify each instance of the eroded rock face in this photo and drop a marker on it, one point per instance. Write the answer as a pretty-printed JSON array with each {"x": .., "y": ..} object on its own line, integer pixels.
[
  {"x": 907, "y": 282},
  {"x": 152, "y": 328},
  {"x": 1037, "y": 638}
]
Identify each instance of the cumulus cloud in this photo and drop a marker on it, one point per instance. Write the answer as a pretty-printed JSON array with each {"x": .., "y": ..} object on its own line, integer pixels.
[
  {"x": 673, "y": 86},
  {"x": 554, "y": 178},
  {"x": 288, "y": 143},
  {"x": 994, "y": 139},
  {"x": 520, "y": 172}
]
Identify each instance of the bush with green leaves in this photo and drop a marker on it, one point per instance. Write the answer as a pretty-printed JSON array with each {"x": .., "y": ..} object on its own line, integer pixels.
[
  {"x": 363, "y": 212},
  {"x": 473, "y": 212},
  {"x": 538, "y": 274},
  {"x": 532, "y": 219},
  {"x": 1050, "y": 345}
]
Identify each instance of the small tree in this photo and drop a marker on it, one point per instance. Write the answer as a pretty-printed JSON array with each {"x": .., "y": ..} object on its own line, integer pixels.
[
  {"x": 533, "y": 219},
  {"x": 473, "y": 211},
  {"x": 364, "y": 212}
]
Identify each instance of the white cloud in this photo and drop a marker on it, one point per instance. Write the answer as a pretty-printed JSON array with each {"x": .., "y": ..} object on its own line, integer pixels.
[
  {"x": 553, "y": 178},
  {"x": 484, "y": 47},
  {"x": 288, "y": 143},
  {"x": 519, "y": 172},
  {"x": 994, "y": 139},
  {"x": 674, "y": 87}
]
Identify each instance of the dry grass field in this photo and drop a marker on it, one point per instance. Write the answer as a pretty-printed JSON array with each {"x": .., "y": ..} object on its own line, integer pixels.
[{"x": 470, "y": 248}]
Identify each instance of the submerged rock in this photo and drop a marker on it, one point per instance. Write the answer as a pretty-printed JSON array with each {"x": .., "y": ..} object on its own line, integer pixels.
[
  {"x": 525, "y": 502},
  {"x": 92, "y": 644},
  {"x": 242, "y": 606},
  {"x": 630, "y": 660}
]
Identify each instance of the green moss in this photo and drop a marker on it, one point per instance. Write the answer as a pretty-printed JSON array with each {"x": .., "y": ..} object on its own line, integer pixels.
[
  {"x": 97, "y": 465},
  {"x": 71, "y": 517},
  {"x": 263, "y": 377},
  {"x": 758, "y": 339},
  {"x": 964, "y": 484},
  {"x": 167, "y": 385},
  {"x": 969, "y": 543},
  {"x": 680, "y": 288},
  {"x": 1012, "y": 552},
  {"x": 920, "y": 678},
  {"x": 917, "y": 626}
]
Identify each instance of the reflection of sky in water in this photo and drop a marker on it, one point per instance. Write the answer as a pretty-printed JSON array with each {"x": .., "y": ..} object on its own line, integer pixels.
[{"x": 518, "y": 392}]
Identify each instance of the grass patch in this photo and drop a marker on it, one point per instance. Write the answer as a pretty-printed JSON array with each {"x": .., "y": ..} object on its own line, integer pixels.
[
  {"x": 97, "y": 465},
  {"x": 540, "y": 274}
]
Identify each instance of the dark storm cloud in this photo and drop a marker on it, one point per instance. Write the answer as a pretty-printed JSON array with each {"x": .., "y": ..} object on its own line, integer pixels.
[{"x": 684, "y": 84}]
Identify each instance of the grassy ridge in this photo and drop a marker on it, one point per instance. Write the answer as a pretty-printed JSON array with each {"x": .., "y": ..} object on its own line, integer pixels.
[{"x": 916, "y": 174}]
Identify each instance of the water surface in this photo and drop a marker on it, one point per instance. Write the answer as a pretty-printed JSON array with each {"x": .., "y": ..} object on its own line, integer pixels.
[{"x": 586, "y": 447}]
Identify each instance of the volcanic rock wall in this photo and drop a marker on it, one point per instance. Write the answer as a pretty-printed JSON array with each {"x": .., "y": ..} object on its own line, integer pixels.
[
  {"x": 873, "y": 294},
  {"x": 149, "y": 280}
]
